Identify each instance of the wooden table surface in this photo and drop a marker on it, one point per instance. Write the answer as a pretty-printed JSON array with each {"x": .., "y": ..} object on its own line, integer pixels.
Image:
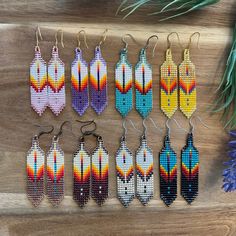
[{"x": 213, "y": 212}]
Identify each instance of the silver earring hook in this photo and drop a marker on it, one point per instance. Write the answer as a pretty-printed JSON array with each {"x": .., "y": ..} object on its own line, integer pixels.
[
  {"x": 155, "y": 125},
  {"x": 38, "y": 35},
  {"x": 169, "y": 41},
  {"x": 192, "y": 126},
  {"x": 85, "y": 38},
  {"x": 145, "y": 128},
  {"x": 148, "y": 42},
  {"x": 103, "y": 38},
  {"x": 56, "y": 40},
  {"x": 190, "y": 39},
  {"x": 131, "y": 122},
  {"x": 125, "y": 42},
  {"x": 176, "y": 122},
  {"x": 125, "y": 129}
]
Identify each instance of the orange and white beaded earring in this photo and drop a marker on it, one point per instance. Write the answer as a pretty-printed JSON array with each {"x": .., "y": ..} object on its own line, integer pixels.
[{"x": 169, "y": 82}]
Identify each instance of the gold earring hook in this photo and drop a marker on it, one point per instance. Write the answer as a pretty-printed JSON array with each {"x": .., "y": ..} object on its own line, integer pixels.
[
  {"x": 148, "y": 41},
  {"x": 103, "y": 38},
  {"x": 190, "y": 39},
  {"x": 169, "y": 41},
  {"x": 125, "y": 42},
  {"x": 85, "y": 39},
  {"x": 56, "y": 42},
  {"x": 38, "y": 35}
]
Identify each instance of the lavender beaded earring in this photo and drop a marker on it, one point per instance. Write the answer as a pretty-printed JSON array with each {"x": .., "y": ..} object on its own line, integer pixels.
[
  {"x": 79, "y": 79},
  {"x": 98, "y": 79}
]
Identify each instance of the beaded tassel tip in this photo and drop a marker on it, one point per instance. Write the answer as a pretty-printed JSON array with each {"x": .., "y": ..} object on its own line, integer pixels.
[
  {"x": 123, "y": 80},
  {"x": 98, "y": 82},
  {"x": 189, "y": 170},
  {"x": 168, "y": 173},
  {"x": 38, "y": 83},
  {"x": 187, "y": 86},
  {"x": 125, "y": 174},
  {"x": 100, "y": 160},
  {"x": 79, "y": 83},
  {"x": 144, "y": 170},
  {"x": 143, "y": 85},
  {"x": 55, "y": 174},
  {"x": 168, "y": 86},
  {"x": 35, "y": 173},
  {"x": 81, "y": 170},
  {"x": 56, "y": 83}
]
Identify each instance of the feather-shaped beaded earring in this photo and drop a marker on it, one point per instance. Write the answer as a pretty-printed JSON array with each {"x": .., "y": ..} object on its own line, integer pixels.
[
  {"x": 35, "y": 170},
  {"x": 56, "y": 79},
  {"x": 79, "y": 79},
  {"x": 169, "y": 82},
  {"x": 55, "y": 170},
  {"x": 38, "y": 79},
  {"x": 98, "y": 79}
]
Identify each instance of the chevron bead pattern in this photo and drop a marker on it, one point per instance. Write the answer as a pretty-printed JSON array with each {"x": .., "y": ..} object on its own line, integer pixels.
[
  {"x": 35, "y": 172},
  {"x": 125, "y": 174},
  {"x": 100, "y": 160},
  {"x": 144, "y": 172},
  {"x": 81, "y": 173},
  {"x": 56, "y": 83},
  {"x": 79, "y": 83},
  {"x": 168, "y": 173},
  {"x": 98, "y": 82},
  {"x": 168, "y": 86},
  {"x": 38, "y": 83},
  {"x": 123, "y": 80},
  {"x": 187, "y": 86},
  {"x": 55, "y": 174},
  {"x": 189, "y": 170},
  {"x": 143, "y": 85}
]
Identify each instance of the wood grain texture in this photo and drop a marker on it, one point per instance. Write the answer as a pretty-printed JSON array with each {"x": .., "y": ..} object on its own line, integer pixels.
[{"x": 213, "y": 212}]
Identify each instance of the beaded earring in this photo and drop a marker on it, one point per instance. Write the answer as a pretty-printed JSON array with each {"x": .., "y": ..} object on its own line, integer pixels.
[
  {"x": 82, "y": 168},
  {"x": 187, "y": 83},
  {"x": 35, "y": 170},
  {"x": 123, "y": 81},
  {"x": 100, "y": 164},
  {"x": 55, "y": 170},
  {"x": 189, "y": 168},
  {"x": 79, "y": 79},
  {"x": 38, "y": 79},
  {"x": 124, "y": 171},
  {"x": 168, "y": 170},
  {"x": 144, "y": 170},
  {"x": 98, "y": 79},
  {"x": 143, "y": 82},
  {"x": 56, "y": 79},
  {"x": 169, "y": 82}
]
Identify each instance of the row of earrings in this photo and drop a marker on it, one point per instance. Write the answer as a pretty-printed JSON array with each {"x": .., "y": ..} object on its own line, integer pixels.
[
  {"x": 168, "y": 82},
  {"x": 90, "y": 172},
  {"x": 87, "y": 169},
  {"x": 47, "y": 83},
  {"x": 167, "y": 170}
]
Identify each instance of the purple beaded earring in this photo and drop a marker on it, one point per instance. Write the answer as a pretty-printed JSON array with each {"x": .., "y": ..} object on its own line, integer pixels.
[{"x": 79, "y": 79}]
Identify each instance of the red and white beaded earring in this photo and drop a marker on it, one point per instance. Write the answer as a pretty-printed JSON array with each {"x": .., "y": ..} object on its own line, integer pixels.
[
  {"x": 38, "y": 79},
  {"x": 56, "y": 79}
]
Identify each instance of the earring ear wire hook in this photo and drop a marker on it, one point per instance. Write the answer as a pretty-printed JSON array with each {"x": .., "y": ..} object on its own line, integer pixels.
[
  {"x": 85, "y": 39},
  {"x": 192, "y": 126},
  {"x": 176, "y": 122},
  {"x": 155, "y": 125},
  {"x": 44, "y": 132},
  {"x": 38, "y": 35},
  {"x": 56, "y": 40},
  {"x": 87, "y": 123},
  {"x": 190, "y": 39},
  {"x": 125, "y": 42},
  {"x": 169, "y": 41},
  {"x": 61, "y": 128},
  {"x": 148, "y": 42},
  {"x": 103, "y": 38}
]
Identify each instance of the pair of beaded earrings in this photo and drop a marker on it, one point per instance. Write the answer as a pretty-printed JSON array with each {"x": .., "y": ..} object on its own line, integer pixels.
[
  {"x": 47, "y": 83},
  {"x": 84, "y": 166}
]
